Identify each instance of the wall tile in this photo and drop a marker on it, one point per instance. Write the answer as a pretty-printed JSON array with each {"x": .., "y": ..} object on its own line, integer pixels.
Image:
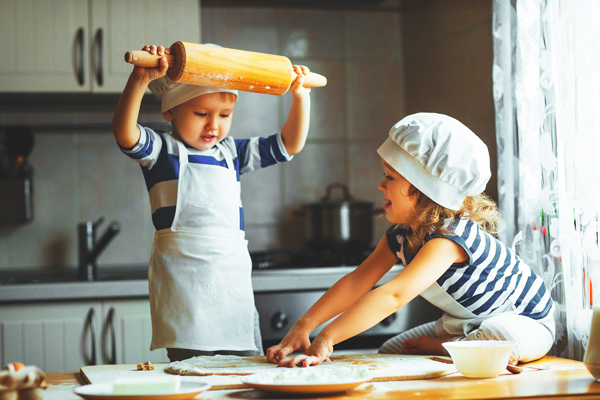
[
  {"x": 328, "y": 104},
  {"x": 112, "y": 186},
  {"x": 375, "y": 97},
  {"x": 369, "y": 35},
  {"x": 263, "y": 237},
  {"x": 310, "y": 33},
  {"x": 54, "y": 181},
  {"x": 309, "y": 173},
  {"x": 35, "y": 248},
  {"x": 251, "y": 29},
  {"x": 261, "y": 195},
  {"x": 366, "y": 173},
  {"x": 256, "y": 114},
  {"x": 5, "y": 232}
]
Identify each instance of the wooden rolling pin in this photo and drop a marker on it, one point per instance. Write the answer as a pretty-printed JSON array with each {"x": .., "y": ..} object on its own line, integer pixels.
[{"x": 206, "y": 65}]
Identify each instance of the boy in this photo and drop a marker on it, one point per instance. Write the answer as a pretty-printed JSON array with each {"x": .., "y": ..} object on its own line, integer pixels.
[{"x": 201, "y": 296}]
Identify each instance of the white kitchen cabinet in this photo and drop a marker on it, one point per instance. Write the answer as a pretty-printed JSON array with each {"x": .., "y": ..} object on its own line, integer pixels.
[
  {"x": 52, "y": 336},
  {"x": 78, "y": 45},
  {"x": 64, "y": 336}
]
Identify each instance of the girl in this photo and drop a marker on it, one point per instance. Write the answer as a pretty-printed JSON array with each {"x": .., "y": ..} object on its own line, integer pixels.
[{"x": 435, "y": 170}]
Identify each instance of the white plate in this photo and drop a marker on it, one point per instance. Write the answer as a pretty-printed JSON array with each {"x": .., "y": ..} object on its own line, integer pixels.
[
  {"x": 104, "y": 391},
  {"x": 320, "y": 388}
]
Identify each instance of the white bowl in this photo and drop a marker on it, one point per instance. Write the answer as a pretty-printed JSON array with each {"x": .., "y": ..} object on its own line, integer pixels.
[{"x": 480, "y": 358}]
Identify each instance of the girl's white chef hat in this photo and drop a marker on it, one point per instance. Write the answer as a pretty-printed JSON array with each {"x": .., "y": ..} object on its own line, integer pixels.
[
  {"x": 171, "y": 93},
  {"x": 440, "y": 156}
]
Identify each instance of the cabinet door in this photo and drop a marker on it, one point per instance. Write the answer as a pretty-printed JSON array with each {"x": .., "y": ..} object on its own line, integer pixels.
[
  {"x": 52, "y": 336},
  {"x": 127, "y": 333},
  {"x": 45, "y": 46},
  {"x": 119, "y": 26}
]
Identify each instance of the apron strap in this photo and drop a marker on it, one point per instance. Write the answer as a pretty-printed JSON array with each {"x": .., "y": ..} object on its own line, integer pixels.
[
  {"x": 183, "y": 161},
  {"x": 227, "y": 155}
]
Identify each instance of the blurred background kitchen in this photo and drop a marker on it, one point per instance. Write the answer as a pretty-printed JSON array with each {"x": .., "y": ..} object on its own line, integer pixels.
[
  {"x": 383, "y": 60},
  {"x": 71, "y": 203}
]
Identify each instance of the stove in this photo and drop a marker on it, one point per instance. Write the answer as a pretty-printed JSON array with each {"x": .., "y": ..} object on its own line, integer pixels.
[
  {"x": 305, "y": 258},
  {"x": 279, "y": 308}
]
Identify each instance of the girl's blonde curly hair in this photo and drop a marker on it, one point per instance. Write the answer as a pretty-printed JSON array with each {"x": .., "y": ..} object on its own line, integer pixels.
[{"x": 430, "y": 216}]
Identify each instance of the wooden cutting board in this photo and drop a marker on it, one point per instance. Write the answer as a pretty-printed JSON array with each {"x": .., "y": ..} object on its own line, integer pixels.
[{"x": 384, "y": 367}]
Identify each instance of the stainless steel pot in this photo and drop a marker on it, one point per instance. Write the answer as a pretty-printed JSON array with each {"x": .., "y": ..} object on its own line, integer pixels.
[{"x": 339, "y": 223}]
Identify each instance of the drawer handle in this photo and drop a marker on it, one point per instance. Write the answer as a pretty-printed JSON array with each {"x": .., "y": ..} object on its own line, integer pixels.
[
  {"x": 100, "y": 72},
  {"x": 80, "y": 72},
  {"x": 113, "y": 337},
  {"x": 90, "y": 321}
]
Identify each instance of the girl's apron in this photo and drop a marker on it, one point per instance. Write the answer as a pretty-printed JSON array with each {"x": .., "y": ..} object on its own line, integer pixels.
[{"x": 200, "y": 270}]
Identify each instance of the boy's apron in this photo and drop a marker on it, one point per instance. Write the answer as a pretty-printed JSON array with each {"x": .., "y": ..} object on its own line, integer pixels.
[{"x": 200, "y": 270}]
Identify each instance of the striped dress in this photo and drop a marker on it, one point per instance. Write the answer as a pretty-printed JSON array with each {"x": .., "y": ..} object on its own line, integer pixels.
[
  {"x": 494, "y": 281},
  {"x": 158, "y": 155}
]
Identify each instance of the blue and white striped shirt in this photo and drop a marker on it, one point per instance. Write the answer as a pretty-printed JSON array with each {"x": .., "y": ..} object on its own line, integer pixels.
[
  {"x": 494, "y": 280},
  {"x": 158, "y": 155}
]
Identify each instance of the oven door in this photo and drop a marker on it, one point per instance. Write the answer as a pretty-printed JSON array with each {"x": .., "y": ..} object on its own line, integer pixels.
[{"x": 279, "y": 311}]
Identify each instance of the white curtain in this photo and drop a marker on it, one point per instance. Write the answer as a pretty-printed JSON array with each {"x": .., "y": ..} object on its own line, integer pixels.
[{"x": 546, "y": 78}]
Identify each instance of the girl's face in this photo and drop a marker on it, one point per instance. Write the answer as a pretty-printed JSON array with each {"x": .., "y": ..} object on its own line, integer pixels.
[
  {"x": 399, "y": 203},
  {"x": 202, "y": 121}
]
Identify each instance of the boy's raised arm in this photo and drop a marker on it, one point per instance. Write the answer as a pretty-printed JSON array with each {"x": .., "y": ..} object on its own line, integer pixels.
[
  {"x": 295, "y": 129},
  {"x": 124, "y": 123}
]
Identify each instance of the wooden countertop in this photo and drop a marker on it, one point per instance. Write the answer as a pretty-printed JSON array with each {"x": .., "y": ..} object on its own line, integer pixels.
[{"x": 562, "y": 379}]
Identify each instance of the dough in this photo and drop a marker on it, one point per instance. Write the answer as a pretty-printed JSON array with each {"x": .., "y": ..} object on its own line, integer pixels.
[
  {"x": 384, "y": 367},
  {"x": 219, "y": 365}
]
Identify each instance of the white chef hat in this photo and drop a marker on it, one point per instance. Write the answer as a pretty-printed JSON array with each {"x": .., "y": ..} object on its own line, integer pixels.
[
  {"x": 440, "y": 156},
  {"x": 172, "y": 94}
]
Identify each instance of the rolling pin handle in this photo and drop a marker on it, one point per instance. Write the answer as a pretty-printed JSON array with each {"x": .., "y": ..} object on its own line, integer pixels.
[
  {"x": 313, "y": 80},
  {"x": 143, "y": 58}
]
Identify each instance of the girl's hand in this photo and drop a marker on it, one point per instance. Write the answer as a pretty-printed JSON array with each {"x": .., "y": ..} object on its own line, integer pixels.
[
  {"x": 318, "y": 352},
  {"x": 295, "y": 339},
  {"x": 296, "y": 89},
  {"x": 151, "y": 74}
]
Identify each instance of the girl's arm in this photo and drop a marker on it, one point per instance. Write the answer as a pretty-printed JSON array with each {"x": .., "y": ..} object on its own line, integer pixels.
[
  {"x": 342, "y": 295},
  {"x": 124, "y": 123},
  {"x": 295, "y": 129},
  {"x": 434, "y": 258}
]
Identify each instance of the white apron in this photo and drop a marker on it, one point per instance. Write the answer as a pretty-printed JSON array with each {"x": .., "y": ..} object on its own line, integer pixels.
[{"x": 200, "y": 270}]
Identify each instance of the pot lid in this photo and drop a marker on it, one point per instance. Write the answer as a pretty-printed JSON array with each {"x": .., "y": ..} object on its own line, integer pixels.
[{"x": 330, "y": 199}]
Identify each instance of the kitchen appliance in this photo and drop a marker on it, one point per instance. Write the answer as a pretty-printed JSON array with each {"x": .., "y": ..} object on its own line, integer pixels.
[
  {"x": 206, "y": 65},
  {"x": 339, "y": 223},
  {"x": 16, "y": 175},
  {"x": 279, "y": 309}
]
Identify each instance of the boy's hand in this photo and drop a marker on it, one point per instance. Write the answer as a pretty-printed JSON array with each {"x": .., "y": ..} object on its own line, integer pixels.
[
  {"x": 296, "y": 89},
  {"x": 151, "y": 74}
]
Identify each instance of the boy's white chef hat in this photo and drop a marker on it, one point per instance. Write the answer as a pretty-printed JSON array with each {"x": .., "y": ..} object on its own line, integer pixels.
[
  {"x": 440, "y": 156},
  {"x": 171, "y": 93}
]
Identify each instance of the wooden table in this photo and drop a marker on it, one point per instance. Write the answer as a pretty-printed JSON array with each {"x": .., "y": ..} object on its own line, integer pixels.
[{"x": 563, "y": 379}]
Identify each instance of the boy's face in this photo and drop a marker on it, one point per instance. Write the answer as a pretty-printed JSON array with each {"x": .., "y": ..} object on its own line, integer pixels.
[{"x": 203, "y": 121}]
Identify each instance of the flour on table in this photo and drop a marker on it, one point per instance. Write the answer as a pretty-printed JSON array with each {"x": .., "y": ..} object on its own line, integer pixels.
[{"x": 310, "y": 376}]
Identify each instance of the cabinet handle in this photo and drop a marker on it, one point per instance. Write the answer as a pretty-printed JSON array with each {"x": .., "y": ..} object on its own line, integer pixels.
[
  {"x": 100, "y": 71},
  {"x": 80, "y": 73},
  {"x": 91, "y": 322},
  {"x": 113, "y": 336}
]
